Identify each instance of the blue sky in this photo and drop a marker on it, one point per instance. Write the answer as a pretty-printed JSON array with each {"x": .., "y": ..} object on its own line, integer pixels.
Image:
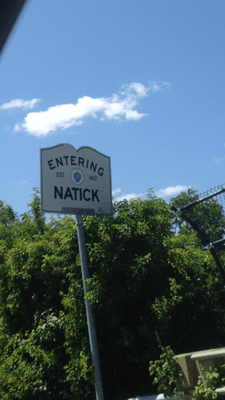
[{"x": 141, "y": 81}]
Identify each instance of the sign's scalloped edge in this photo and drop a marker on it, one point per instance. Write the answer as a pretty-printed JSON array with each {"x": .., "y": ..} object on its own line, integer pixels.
[{"x": 80, "y": 148}]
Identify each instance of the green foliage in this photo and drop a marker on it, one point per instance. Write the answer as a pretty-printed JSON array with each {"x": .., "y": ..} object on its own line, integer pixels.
[
  {"x": 166, "y": 370},
  {"x": 7, "y": 215},
  {"x": 143, "y": 277},
  {"x": 8, "y": 220},
  {"x": 38, "y": 217},
  {"x": 188, "y": 307},
  {"x": 208, "y": 215},
  {"x": 36, "y": 357},
  {"x": 215, "y": 378}
]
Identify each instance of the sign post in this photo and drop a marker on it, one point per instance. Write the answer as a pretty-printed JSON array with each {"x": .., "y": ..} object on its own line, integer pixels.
[
  {"x": 90, "y": 319},
  {"x": 78, "y": 182}
]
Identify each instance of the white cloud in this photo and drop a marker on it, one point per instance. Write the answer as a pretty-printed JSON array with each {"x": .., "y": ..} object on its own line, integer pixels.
[
  {"x": 128, "y": 196},
  {"x": 117, "y": 107},
  {"x": 21, "y": 183},
  {"x": 116, "y": 191},
  {"x": 18, "y": 103},
  {"x": 171, "y": 190},
  {"x": 219, "y": 160},
  {"x": 156, "y": 87}
]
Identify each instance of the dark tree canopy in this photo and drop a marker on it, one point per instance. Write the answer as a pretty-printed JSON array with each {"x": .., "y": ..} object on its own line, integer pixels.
[{"x": 144, "y": 277}]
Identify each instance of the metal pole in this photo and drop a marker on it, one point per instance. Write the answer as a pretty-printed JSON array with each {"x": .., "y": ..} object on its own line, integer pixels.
[
  {"x": 191, "y": 205},
  {"x": 218, "y": 263},
  {"x": 203, "y": 236},
  {"x": 90, "y": 318}
]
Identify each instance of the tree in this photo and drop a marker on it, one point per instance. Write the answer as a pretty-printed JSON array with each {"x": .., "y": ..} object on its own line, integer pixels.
[
  {"x": 42, "y": 306},
  {"x": 7, "y": 215},
  {"x": 168, "y": 373},
  {"x": 143, "y": 278},
  {"x": 128, "y": 266},
  {"x": 34, "y": 273},
  {"x": 197, "y": 296},
  {"x": 208, "y": 214},
  {"x": 193, "y": 314}
]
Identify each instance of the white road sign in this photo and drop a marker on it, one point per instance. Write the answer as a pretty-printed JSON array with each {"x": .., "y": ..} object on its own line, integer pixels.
[{"x": 75, "y": 181}]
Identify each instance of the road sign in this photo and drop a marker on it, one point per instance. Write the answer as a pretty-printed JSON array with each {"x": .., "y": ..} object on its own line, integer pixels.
[
  {"x": 75, "y": 181},
  {"x": 78, "y": 182}
]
